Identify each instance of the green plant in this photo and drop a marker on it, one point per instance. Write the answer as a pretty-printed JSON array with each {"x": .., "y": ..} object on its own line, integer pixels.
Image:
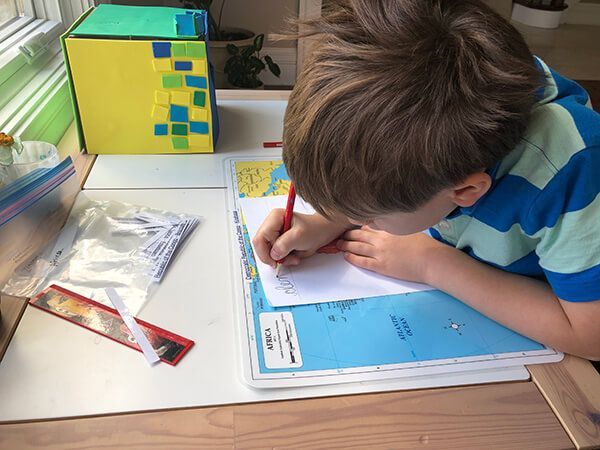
[{"x": 245, "y": 64}]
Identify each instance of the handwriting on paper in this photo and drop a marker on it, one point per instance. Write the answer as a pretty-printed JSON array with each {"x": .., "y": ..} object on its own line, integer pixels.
[{"x": 286, "y": 285}]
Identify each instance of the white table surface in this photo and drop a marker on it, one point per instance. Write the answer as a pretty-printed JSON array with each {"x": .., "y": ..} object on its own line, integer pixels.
[
  {"x": 244, "y": 125},
  {"x": 56, "y": 369}
]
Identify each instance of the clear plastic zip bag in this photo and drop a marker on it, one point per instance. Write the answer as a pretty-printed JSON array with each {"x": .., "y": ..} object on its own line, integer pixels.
[{"x": 107, "y": 244}]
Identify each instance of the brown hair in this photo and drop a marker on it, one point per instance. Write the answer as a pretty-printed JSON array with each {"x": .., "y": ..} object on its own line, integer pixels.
[{"x": 403, "y": 98}]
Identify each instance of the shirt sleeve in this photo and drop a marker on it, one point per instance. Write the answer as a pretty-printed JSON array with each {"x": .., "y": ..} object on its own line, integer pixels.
[{"x": 568, "y": 212}]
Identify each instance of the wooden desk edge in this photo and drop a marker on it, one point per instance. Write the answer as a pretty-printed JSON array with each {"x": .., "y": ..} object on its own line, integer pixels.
[
  {"x": 501, "y": 415},
  {"x": 11, "y": 311},
  {"x": 572, "y": 389}
]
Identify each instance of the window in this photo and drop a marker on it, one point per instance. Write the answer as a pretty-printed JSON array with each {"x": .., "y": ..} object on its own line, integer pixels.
[
  {"x": 34, "y": 92},
  {"x": 9, "y": 9}
]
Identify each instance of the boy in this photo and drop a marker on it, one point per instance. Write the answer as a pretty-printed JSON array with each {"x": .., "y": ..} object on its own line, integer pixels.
[{"x": 417, "y": 114}]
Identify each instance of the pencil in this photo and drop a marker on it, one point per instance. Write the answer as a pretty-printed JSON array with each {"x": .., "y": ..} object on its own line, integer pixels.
[
  {"x": 287, "y": 220},
  {"x": 272, "y": 144}
]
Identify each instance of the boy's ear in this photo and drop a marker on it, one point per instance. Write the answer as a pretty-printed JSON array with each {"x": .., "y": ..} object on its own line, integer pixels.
[{"x": 471, "y": 189}]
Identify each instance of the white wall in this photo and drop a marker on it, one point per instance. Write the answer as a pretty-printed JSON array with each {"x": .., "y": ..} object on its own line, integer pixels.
[{"x": 504, "y": 7}]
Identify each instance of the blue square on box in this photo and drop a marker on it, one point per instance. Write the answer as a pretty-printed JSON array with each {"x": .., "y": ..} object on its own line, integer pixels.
[
  {"x": 161, "y": 129},
  {"x": 179, "y": 113},
  {"x": 161, "y": 49},
  {"x": 194, "y": 81},
  {"x": 183, "y": 65},
  {"x": 186, "y": 25},
  {"x": 199, "y": 127},
  {"x": 198, "y": 20}
]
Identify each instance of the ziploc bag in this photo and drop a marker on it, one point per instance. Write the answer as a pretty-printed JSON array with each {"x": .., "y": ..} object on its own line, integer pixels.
[
  {"x": 107, "y": 244},
  {"x": 33, "y": 210}
]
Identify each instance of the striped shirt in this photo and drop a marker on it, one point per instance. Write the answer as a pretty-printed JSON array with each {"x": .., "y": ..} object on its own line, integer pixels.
[{"x": 541, "y": 216}]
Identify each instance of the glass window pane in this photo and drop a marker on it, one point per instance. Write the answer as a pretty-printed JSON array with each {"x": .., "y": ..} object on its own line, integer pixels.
[{"x": 10, "y": 9}]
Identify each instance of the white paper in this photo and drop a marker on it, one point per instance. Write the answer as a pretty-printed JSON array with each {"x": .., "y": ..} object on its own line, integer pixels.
[
  {"x": 162, "y": 245},
  {"x": 133, "y": 326},
  {"x": 320, "y": 278}
]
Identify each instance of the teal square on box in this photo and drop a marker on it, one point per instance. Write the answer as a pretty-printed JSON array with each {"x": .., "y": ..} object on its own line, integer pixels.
[
  {"x": 161, "y": 129},
  {"x": 179, "y": 129},
  {"x": 196, "y": 81},
  {"x": 199, "y": 127},
  {"x": 199, "y": 98},
  {"x": 179, "y": 113}
]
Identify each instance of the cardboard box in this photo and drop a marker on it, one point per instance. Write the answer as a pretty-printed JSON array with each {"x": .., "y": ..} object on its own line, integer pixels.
[{"x": 141, "y": 80}]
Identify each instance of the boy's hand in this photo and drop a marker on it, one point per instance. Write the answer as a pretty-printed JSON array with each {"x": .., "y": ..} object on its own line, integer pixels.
[
  {"x": 308, "y": 233},
  {"x": 403, "y": 257}
]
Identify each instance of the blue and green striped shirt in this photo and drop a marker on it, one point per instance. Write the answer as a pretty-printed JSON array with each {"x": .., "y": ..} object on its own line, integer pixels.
[{"x": 541, "y": 216}]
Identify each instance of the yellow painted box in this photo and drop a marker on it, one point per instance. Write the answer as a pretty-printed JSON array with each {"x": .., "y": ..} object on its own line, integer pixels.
[{"x": 141, "y": 80}]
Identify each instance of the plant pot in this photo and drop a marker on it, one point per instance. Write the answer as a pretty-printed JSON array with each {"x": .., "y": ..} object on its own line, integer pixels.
[
  {"x": 219, "y": 55},
  {"x": 539, "y": 18}
]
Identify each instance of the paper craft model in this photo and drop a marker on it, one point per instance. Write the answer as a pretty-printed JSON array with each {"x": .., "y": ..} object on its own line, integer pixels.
[{"x": 141, "y": 80}]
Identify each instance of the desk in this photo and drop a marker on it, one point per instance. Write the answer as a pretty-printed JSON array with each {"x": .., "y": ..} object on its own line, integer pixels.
[
  {"x": 561, "y": 401},
  {"x": 67, "y": 367}
]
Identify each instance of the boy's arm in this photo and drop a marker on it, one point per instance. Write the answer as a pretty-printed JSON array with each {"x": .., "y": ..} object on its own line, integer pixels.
[{"x": 523, "y": 304}]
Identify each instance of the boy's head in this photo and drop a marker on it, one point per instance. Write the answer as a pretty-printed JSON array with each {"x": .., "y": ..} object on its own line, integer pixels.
[{"x": 402, "y": 106}]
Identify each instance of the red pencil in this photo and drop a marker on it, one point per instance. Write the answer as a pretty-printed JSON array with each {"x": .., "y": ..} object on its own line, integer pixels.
[
  {"x": 272, "y": 144},
  {"x": 287, "y": 224},
  {"x": 287, "y": 219}
]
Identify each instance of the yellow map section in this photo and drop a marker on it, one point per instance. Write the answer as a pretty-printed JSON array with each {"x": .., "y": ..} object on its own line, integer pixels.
[{"x": 261, "y": 178}]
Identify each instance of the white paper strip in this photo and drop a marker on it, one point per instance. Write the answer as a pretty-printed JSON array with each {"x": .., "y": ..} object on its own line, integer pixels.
[
  {"x": 133, "y": 326},
  {"x": 166, "y": 234}
]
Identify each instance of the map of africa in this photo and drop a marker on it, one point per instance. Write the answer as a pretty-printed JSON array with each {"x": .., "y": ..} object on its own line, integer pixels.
[{"x": 373, "y": 334}]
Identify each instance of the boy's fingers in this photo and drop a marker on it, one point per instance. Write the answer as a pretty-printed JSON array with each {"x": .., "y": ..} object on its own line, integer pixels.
[
  {"x": 357, "y": 235},
  {"x": 267, "y": 234},
  {"x": 356, "y": 247},
  {"x": 273, "y": 222},
  {"x": 291, "y": 260},
  {"x": 361, "y": 261},
  {"x": 263, "y": 248},
  {"x": 262, "y": 243},
  {"x": 284, "y": 245},
  {"x": 304, "y": 253}
]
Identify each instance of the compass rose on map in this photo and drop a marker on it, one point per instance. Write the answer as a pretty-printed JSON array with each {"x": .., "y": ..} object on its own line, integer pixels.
[{"x": 454, "y": 326}]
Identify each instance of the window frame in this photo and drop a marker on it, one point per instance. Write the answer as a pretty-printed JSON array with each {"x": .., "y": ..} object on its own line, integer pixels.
[{"x": 34, "y": 92}]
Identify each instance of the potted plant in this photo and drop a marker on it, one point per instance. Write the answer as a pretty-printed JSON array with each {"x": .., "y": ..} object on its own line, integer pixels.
[
  {"x": 245, "y": 64},
  {"x": 220, "y": 37},
  {"x": 539, "y": 13}
]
